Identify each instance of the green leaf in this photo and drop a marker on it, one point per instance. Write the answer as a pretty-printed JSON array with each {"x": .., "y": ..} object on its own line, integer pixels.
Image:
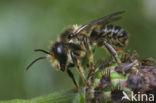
[
  {"x": 79, "y": 98},
  {"x": 57, "y": 97}
]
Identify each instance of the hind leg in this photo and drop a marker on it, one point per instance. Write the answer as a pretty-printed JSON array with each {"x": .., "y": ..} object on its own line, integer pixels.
[{"x": 113, "y": 52}]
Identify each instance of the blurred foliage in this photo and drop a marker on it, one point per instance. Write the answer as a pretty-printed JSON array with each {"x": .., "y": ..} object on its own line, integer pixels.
[
  {"x": 29, "y": 24},
  {"x": 56, "y": 97}
]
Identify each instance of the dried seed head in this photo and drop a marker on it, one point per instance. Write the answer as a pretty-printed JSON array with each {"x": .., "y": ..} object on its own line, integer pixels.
[
  {"x": 135, "y": 82},
  {"x": 116, "y": 95}
]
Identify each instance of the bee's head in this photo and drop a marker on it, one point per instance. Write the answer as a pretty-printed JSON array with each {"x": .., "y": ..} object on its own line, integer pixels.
[
  {"x": 58, "y": 56},
  {"x": 122, "y": 38}
]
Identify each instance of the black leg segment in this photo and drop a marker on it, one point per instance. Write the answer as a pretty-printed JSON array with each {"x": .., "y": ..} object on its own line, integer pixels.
[{"x": 73, "y": 79}]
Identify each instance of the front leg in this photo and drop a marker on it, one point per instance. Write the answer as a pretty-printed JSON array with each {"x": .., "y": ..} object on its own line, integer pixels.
[
  {"x": 69, "y": 72},
  {"x": 79, "y": 68},
  {"x": 115, "y": 55}
]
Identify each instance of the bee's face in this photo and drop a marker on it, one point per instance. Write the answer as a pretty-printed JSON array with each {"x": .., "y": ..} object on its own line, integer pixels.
[
  {"x": 59, "y": 57},
  {"x": 122, "y": 38}
]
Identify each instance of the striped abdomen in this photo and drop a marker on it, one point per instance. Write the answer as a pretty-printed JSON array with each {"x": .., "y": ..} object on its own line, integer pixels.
[{"x": 114, "y": 35}]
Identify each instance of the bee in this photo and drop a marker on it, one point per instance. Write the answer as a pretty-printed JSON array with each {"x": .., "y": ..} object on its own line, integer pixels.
[{"x": 76, "y": 42}]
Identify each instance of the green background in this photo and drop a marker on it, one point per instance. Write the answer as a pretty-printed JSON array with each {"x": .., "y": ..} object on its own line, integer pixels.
[{"x": 26, "y": 25}]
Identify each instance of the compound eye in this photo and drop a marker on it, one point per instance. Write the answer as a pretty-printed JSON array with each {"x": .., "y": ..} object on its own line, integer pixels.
[{"x": 71, "y": 36}]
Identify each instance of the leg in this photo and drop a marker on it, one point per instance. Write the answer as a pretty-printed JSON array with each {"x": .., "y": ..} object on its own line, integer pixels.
[
  {"x": 73, "y": 79},
  {"x": 90, "y": 54},
  {"x": 79, "y": 68},
  {"x": 114, "y": 54}
]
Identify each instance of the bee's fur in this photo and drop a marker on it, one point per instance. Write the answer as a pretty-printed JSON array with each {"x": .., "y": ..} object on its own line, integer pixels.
[{"x": 76, "y": 41}]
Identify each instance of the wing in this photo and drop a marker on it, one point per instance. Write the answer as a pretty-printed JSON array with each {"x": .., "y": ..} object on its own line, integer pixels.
[{"x": 104, "y": 20}]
